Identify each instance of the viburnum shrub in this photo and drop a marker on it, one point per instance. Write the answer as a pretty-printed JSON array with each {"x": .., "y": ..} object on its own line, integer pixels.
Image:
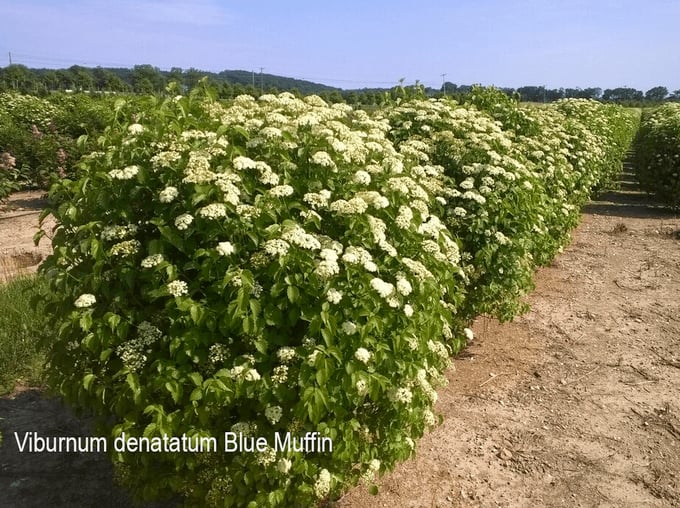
[
  {"x": 517, "y": 177},
  {"x": 42, "y": 133},
  {"x": 263, "y": 266},
  {"x": 657, "y": 153},
  {"x": 282, "y": 265}
]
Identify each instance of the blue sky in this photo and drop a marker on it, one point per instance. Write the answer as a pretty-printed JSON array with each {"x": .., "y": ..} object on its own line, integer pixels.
[{"x": 352, "y": 44}]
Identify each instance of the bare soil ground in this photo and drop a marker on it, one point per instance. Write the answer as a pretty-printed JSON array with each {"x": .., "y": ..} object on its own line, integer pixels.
[{"x": 574, "y": 404}]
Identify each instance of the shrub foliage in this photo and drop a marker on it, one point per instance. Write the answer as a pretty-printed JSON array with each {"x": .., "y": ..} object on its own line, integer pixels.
[
  {"x": 657, "y": 154},
  {"x": 282, "y": 265}
]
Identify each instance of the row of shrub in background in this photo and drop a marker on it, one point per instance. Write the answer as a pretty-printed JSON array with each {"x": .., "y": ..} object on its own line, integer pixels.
[
  {"x": 39, "y": 136},
  {"x": 657, "y": 153},
  {"x": 283, "y": 265}
]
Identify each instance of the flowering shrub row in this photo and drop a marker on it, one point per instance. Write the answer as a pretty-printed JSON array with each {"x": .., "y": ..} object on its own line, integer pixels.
[
  {"x": 517, "y": 178},
  {"x": 280, "y": 265},
  {"x": 41, "y": 136},
  {"x": 657, "y": 154}
]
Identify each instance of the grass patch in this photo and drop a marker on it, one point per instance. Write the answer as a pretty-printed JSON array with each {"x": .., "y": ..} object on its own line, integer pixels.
[{"x": 22, "y": 324}]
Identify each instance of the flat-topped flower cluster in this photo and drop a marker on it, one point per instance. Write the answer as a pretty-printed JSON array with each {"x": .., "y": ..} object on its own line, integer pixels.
[{"x": 304, "y": 268}]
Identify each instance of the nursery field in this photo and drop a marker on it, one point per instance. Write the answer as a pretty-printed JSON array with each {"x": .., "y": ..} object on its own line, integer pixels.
[{"x": 286, "y": 300}]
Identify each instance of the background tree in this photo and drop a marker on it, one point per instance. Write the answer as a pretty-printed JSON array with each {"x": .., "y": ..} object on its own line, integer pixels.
[
  {"x": 622, "y": 94},
  {"x": 656, "y": 94}
]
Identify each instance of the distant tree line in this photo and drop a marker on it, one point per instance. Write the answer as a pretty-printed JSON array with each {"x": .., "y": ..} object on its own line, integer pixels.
[{"x": 146, "y": 79}]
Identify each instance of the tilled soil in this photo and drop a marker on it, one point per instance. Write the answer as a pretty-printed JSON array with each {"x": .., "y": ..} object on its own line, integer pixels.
[{"x": 574, "y": 404}]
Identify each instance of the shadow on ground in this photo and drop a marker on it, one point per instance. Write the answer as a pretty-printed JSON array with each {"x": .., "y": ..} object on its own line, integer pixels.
[
  {"x": 41, "y": 480},
  {"x": 628, "y": 201}
]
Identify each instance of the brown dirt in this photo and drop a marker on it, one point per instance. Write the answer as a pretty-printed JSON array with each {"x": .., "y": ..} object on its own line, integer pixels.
[
  {"x": 574, "y": 404},
  {"x": 18, "y": 223}
]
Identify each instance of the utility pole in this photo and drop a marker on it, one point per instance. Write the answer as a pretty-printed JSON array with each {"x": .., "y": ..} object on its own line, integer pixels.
[
  {"x": 261, "y": 82},
  {"x": 253, "y": 72},
  {"x": 444, "y": 83},
  {"x": 10, "y": 57}
]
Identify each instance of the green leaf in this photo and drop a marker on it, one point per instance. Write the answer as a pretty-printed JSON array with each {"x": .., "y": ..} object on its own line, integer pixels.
[
  {"x": 293, "y": 294},
  {"x": 196, "y": 378},
  {"x": 324, "y": 371},
  {"x": 86, "y": 321},
  {"x": 88, "y": 380},
  {"x": 172, "y": 236},
  {"x": 373, "y": 490},
  {"x": 196, "y": 313},
  {"x": 196, "y": 394},
  {"x": 113, "y": 320},
  {"x": 255, "y": 306}
]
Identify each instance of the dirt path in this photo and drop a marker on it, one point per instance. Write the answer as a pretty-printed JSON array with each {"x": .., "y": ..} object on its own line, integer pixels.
[{"x": 574, "y": 404}]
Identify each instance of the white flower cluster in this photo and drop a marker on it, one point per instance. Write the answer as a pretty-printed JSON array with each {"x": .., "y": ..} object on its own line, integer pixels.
[
  {"x": 334, "y": 296},
  {"x": 286, "y": 354},
  {"x": 438, "y": 348},
  {"x": 501, "y": 238},
  {"x": 363, "y": 355},
  {"x": 428, "y": 390},
  {"x": 384, "y": 289},
  {"x": 322, "y": 486},
  {"x": 404, "y": 218},
  {"x": 133, "y": 353},
  {"x": 429, "y": 418},
  {"x": 135, "y": 129},
  {"x": 165, "y": 159},
  {"x": 362, "y": 177},
  {"x": 281, "y": 191},
  {"x": 118, "y": 232},
  {"x": 359, "y": 256},
  {"x": 213, "y": 211},
  {"x": 124, "y": 174},
  {"x": 168, "y": 195},
  {"x": 348, "y": 327},
  {"x": 280, "y": 374},
  {"x": 322, "y": 158},
  {"x": 417, "y": 268},
  {"x": 152, "y": 260},
  {"x": 296, "y": 235},
  {"x": 197, "y": 169},
  {"x": 126, "y": 248},
  {"x": 317, "y": 199},
  {"x": 218, "y": 353},
  {"x": 178, "y": 288},
  {"x": 183, "y": 221},
  {"x": 328, "y": 266},
  {"x": 273, "y": 414},
  {"x": 85, "y": 300},
  {"x": 404, "y": 286},
  {"x": 284, "y": 465},
  {"x": 354, "y": 206},
  {"x": 246, "y": 429},
  {"x": 402, "y": 395},
  {"x": 276, "y": 247}
]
